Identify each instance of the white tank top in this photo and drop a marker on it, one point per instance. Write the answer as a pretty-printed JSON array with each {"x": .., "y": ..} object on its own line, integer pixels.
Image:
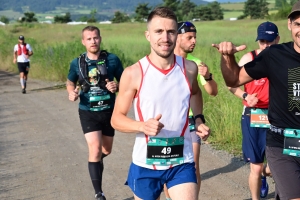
[{"x": 167, "y": 93}]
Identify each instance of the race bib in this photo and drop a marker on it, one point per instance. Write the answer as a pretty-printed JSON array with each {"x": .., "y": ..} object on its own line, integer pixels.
[
  {"x": 259, "y": 118},
  {"x": 165, "y": 151},
  {"x": 291, "y": 142},
  {"x": 99, "y": 99}
]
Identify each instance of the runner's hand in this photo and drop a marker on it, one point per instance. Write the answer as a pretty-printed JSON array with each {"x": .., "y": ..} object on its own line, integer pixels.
[
  {"x": 73, "y": 95},
  {"x": 251, "y": 99},
  {"x": 152, "y": 126},
  {"x": 227, "y": 48},
  {"x": 202, "y": 130},
  {"x": 112, "y": 86},
  {"x": 203, "y": 70}
]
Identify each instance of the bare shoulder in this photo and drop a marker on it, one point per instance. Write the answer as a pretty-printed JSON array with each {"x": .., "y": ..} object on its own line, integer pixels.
[
  {"x": 131, "y": 76},
  {"x": 133, "y": 70},
  {"x": 245, "y": 59},
  {"x": 191, "y": 67}
]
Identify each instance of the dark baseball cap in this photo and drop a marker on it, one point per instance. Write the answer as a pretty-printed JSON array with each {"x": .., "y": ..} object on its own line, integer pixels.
[
  {"x": 267, "y": 31},
  {"x": 184, "y": 27},
  {"x": 295, "y": 8},
  {"x": 21, "y": 37}
]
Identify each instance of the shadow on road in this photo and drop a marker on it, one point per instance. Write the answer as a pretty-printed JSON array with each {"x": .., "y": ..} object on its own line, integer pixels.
[
  {"x": 234, "y": 164},
  {"x": 130, "y": 198}
]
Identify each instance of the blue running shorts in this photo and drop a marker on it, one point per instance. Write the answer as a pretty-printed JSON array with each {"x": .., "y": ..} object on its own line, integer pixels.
[
  {"x": 147, "y": 184},
  {"x": 254, "y": 141}
]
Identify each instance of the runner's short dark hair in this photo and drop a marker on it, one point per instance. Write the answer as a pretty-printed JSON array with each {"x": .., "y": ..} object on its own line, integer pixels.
[
  {"x": 91, "y": 28},
  {"x": 163, "y": 12}
]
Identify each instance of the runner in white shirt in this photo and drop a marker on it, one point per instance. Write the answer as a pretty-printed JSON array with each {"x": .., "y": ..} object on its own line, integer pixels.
[
  {"x": 162, "y": 88},
  {"x": 22, "y": 52}
]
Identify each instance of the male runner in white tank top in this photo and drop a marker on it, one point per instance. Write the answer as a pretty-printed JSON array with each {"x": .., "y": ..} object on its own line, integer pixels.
[{"x": 162, "y": 87}]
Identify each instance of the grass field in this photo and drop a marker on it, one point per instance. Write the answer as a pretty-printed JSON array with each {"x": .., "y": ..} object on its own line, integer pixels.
[{"x": 55, "y": 45}]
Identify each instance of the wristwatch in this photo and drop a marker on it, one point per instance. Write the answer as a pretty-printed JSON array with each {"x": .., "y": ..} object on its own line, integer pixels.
[
  {"x": 201, "y": 117},
  {"x": 210, "y": 77},
  {"x": 245, "y": 95}
]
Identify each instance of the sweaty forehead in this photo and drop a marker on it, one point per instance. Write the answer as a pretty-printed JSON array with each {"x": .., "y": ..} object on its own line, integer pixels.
[{"x": 162, "y": 23}]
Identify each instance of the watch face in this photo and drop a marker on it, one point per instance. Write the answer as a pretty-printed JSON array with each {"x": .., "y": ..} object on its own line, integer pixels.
[{"x": 245, "y": 95}]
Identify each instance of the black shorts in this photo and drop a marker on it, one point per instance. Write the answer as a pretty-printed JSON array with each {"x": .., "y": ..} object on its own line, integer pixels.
[
  {"x": 24, "y": 67},
  {"x": 285, "y": 170},
  {"x": 96, "y": 121}
]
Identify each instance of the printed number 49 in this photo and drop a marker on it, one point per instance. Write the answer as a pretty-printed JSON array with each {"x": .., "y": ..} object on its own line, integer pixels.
[{"x": 166, "y": 150}]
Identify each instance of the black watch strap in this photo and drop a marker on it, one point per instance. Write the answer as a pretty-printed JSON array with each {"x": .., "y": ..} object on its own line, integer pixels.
[
  {"x": 245, "y": 95},
  {"x": 201, "y": 117},
  {"x": 210, "y": 77}
]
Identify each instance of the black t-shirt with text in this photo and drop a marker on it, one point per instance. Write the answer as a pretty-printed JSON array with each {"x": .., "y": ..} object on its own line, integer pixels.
[{"x": 280, "y": 63}]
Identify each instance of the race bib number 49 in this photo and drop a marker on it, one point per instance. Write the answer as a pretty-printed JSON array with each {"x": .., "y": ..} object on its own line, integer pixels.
[{"x": 165, "y": 151}]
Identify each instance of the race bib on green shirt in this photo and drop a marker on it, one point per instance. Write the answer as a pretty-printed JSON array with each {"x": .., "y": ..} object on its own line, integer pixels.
[{"x": 99, "y": 99}]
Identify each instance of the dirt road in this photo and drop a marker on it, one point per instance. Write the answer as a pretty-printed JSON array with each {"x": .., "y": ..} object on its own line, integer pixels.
[{"x": 43, "y": 154}]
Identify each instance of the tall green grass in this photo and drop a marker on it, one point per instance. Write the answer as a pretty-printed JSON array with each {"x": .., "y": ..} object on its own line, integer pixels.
[{"x": 56, "y": 45}]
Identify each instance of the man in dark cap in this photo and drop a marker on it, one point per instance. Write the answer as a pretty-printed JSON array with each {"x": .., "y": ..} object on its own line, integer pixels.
[
  {"x": 255, "y": 98},
  {"x": 280, "y": 63},
  {"x": 22, "y": 52}
]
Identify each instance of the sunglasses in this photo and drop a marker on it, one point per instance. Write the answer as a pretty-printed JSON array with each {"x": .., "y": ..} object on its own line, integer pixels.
[{"x": 188, "y": 24}]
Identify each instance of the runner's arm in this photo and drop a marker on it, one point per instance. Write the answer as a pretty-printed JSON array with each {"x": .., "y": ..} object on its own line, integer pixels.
[
  {"x": 233, "y": 74},
  {"x": 196, "y": 101}
]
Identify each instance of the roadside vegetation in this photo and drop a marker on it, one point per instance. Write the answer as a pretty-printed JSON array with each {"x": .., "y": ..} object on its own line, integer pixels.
[{"x": 55, "y": 45}]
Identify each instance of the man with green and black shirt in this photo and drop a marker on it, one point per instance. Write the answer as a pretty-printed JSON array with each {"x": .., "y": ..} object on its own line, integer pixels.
[{"x": 95, "y": 72}]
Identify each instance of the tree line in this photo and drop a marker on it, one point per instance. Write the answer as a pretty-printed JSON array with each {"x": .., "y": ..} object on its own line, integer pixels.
[{"x": 184, "y": 9}]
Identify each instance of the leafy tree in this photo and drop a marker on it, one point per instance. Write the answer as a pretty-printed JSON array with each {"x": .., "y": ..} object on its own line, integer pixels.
[
  {"x": 264, "y": 12},
  {"x": 255, "y": 9},
  {"x": 280, "y": 3},
  {"x": 83, "y": 18},
  {"x": 93, "y": 18},
  {"x": 63, "y": 19},
  {"x": 283, "y": 12},
  {"x": 187, "y": 8},
  {"x": 120, "y": 17},
  {"x": 29, "y": 17},
  {"x": 211, "y": 11},
  {"x": 4, "y": 19},
  {"x": 174, "y": 5},
  {"x": 142, "y": 11},
  {"x": 216, "y": 10},
  {"x": 204, "y": 13}
]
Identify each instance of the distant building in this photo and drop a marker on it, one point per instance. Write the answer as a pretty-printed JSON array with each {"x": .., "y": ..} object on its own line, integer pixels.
[
  {"x": 232, "y": 18},
  {"x": 105, "y": 22},
  {"x": 2, "y": 24},
  {"x": 46, "y": 22},
  {"x": 49, "y": 17},
  {"x": 76, "y": 23}
]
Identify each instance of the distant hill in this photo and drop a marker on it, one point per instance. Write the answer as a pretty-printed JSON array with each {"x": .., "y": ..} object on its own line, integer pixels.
[
  {"x": 49, "y": 5},
  {"x": 226, "y": 1}
]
